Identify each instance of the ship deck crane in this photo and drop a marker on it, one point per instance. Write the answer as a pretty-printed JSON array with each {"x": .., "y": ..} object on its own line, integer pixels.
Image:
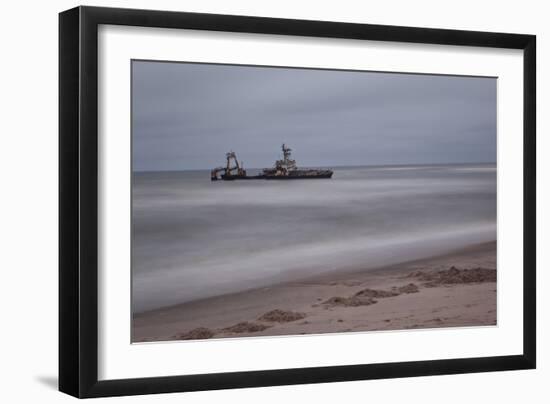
[{"x": 235, "y": 170}]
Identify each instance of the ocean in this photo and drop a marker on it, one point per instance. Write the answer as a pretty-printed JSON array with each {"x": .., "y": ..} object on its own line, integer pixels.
[{"x": 193, "y": 238}]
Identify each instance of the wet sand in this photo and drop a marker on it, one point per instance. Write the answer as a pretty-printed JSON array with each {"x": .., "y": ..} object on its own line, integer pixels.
[{"x": 452, "y": 290}]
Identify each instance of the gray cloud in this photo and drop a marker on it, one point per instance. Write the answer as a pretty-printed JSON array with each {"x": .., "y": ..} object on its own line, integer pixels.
[{"x": 186, "y": 116}]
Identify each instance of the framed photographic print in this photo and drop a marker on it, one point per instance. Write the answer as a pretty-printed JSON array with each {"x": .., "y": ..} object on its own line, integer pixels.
[{"x": 250, "y": 201}]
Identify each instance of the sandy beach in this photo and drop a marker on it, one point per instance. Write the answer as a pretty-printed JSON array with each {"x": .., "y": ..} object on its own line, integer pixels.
[{"x": 452, "y": 290}]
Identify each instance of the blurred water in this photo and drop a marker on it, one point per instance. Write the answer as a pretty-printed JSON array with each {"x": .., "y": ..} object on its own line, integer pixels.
[{"x": 193, "y": 238}]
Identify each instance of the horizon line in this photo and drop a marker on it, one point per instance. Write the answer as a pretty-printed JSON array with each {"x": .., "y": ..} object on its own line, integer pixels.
[{"x": 328, "y": 166}]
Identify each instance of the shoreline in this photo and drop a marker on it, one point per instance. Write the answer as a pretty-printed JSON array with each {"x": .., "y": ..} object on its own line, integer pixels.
[{"x": 450, "y": 290}]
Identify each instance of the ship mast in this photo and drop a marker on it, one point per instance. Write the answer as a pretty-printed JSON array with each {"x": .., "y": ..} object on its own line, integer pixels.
[
  {"x": 288, "y": 163},
  {"x": 286, "y": 152}
]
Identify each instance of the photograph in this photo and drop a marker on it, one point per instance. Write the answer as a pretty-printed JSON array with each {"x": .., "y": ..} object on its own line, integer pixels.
[{"x": 274, "y": 201}]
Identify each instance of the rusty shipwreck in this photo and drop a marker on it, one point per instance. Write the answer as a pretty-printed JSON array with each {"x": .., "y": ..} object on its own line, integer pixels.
[{"x": 284, "y": 169}]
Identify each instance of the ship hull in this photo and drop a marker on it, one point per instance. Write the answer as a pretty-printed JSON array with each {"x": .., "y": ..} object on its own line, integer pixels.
[
  {"x": 295, "y": 176},
  {"x": 298, "y": 176}
]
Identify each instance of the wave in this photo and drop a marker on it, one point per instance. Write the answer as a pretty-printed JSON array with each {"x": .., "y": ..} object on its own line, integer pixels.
[{"x": 216, "y": 275}]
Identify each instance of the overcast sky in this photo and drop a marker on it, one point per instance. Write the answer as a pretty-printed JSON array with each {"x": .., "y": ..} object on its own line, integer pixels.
[{"x": 187, "y": 116}]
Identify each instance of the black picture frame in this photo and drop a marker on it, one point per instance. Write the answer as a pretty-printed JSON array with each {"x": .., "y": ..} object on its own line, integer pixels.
[{"x": 78, "y": 201}]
